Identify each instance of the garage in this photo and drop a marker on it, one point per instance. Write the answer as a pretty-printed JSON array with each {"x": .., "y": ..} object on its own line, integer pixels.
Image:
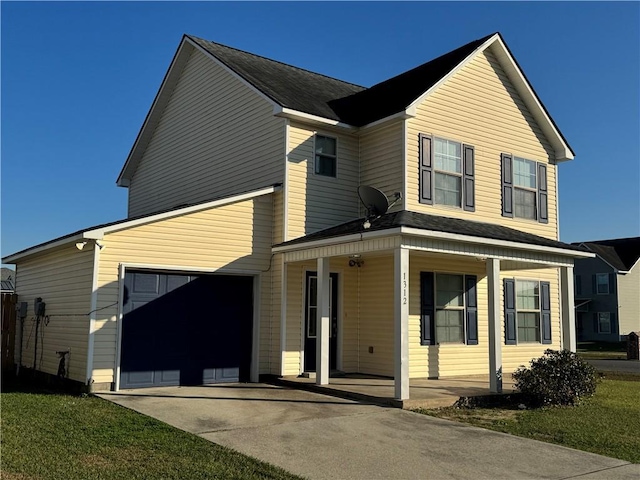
[{"x": 180, "y": 329}]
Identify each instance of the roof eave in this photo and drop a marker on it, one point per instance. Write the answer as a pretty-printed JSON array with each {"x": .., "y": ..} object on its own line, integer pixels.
[{"x": 284, "y": 112}]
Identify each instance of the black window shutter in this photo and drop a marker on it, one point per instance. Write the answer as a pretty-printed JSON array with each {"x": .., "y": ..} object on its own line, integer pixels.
[
  {"x": 426, "y": 170},
  {"x": 471, "y": 313},
  {"x": 543, "y": 194},
  {"x": 612, "y": 323},
  {"x": 612, "y": 283},
  {"x": 578, "y": 285},
  {"x": 510, "y": 312},
  {"x": 596, "y": 327},
  {"x": 545, "y": 311},
  {"x": 427, "y": 309},
  {"x": 468, "y": 170},
  {"x": 594, "y": 285},
  {"x": 507, "y": 185}
]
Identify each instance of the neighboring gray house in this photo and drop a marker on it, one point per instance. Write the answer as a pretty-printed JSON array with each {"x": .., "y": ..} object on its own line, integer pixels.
[{"x": 607, "y": 290}]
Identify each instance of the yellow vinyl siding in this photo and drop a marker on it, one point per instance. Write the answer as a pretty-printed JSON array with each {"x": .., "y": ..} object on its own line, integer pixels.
[
  {"x": 629, "y": 301},
  {"x": 216, "y": 137},
  {"x": 479, "y": 106},
  {"x": 381, "y": 151},
  {"x": 514, "y": 356},
  {"x": 231, "y": 238},
  {"x": 62, "y": 277},
  {"x": 314, "y": 201}
]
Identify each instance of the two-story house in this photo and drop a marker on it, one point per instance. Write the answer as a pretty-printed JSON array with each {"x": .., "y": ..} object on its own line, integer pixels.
[
  {"x": 246, "y": 251},
  {"x": 607, "y": 290}
]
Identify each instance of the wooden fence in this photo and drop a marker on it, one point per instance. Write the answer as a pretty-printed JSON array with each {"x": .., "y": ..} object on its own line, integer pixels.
[{"x": 9, "y": 317}]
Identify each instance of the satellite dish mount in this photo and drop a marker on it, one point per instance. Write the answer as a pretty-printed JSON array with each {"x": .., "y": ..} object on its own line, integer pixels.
[{"x": 375, "y": 203}]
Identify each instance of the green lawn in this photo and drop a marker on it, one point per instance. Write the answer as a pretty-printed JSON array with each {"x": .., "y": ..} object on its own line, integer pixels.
[
  {"x": 607, "y": 424},
  {"x": 53, "y": 436}
]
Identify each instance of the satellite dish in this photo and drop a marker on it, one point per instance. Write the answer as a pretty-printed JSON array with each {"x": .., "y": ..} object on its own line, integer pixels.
[{"x": 373, "y": 200}]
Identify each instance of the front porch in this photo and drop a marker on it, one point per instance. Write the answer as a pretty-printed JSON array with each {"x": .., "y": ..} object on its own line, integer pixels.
[
  {"x": 423, "y": 393},
  {"x": 416, "y": 303}
]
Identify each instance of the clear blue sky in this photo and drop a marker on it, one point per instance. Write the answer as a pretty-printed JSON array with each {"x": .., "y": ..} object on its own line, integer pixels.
[{"x": 79, "y": 78}]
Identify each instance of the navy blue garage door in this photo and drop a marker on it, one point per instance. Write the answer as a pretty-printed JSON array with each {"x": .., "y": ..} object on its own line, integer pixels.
[{"x": 185, "y": 330}]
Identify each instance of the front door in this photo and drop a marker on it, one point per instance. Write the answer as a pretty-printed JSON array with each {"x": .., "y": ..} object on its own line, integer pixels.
[{"x": 310, "y": 323}]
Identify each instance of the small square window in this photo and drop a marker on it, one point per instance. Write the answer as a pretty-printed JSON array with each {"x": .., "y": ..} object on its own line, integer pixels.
[
  {"x": 602, "y": 283},
  {"x": 604, "y": 322},
  {"x": 326, "y": 156}
]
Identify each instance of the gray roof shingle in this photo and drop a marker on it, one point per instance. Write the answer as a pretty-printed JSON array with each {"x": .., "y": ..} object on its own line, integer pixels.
[
  {"x": 423, "y": 221},
  {"x": 327, "y": 97},
  {"x": 621, "y": 253}
]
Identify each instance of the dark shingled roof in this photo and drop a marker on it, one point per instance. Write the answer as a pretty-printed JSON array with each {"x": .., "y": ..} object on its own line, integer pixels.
[
  {"x": 621, "y": 253},
  {"x": 327, "y": 97},
  {"x": 423, "y": 221},
  {"x": 289, "y": 86}
]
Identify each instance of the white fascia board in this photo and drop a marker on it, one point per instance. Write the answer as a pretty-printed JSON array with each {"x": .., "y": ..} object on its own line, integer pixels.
[
  {"x": 100, "y": 232},
  {"x": 411, "y": 109},
  {"x": 489, "y": 241},
  {"x": 562, "y": 150},
  {"x": 355, "y": 237},
  {"x": 134, "y": 155},
  {"x": 12, "y": 259},
  {"x": 404, "y": 115},
  {"x": 280, "y": 111}
]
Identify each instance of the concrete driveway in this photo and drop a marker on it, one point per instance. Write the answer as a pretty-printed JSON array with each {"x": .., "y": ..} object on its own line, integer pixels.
[{"x": 322, "y": 437}]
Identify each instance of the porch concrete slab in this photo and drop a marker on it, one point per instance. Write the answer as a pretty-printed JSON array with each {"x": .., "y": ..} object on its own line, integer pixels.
[
  {"x": 393, "y": 443},
  {"x": 423, "y": 393},
  {"x": 232, "y": 406}
]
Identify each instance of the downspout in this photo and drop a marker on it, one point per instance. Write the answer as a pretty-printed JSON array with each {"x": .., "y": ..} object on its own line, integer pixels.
[{"x": 92, "y": 314}]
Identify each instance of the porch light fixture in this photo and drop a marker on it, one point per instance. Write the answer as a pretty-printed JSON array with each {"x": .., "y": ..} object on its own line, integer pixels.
[
  {"x": 80, "y": 245},
  {"x": 356, "y": 261}
]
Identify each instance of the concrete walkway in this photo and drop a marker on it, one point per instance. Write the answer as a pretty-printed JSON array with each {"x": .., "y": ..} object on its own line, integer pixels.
[{"x": 322, "y": 437}]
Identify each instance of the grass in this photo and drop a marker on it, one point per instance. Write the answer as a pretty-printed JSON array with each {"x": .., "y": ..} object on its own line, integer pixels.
[
  {"x": 56, "y": 436},
  {"x": 607, "y": 424},
  {"x": 602, "y": 350}
]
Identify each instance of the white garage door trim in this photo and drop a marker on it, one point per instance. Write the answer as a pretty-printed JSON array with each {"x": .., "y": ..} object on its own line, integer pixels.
[{"x": 255, "y": 348}]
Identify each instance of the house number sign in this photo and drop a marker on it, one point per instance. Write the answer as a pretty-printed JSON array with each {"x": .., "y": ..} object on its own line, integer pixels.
[{"x": 404, "y": 288}]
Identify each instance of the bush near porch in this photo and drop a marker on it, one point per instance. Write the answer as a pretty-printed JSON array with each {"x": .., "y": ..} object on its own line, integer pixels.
[{"x": 607, "y": 423}]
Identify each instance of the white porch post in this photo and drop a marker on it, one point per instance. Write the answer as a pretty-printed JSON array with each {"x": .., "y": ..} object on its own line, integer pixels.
[
  {"x": 401, "y": 323},
  {"x": 322, "y": 331},
  {"x": 568, "y": 309},
  {"x": 495, "y": 326}
]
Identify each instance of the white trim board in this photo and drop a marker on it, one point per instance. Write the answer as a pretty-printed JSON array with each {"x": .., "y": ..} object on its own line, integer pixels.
[{"x": 98, "y": 233}]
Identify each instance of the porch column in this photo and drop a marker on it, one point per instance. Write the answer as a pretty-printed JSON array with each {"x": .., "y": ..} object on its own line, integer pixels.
[
  {"x": 322, "y": 333},
  {"x": 401, "y": 323},
  {"x": 568, "y": 309},
  {"x": 495, "y": 326}
]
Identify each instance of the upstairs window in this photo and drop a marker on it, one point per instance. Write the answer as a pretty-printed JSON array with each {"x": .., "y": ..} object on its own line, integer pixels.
[
  {"x": 447, "y": 175},
  {"x": 326, "y": 156},
  {"x": 602, "y": 284},
  {"x": 524, "y": 189}
]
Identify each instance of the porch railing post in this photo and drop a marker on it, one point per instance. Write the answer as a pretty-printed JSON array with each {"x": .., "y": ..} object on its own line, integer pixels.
[
  {"x": 322, "y": 334},
  {"x": 495, "y": 327},
  {"x": 568, "y": 309},
  {"x": 401, "y": 323}
]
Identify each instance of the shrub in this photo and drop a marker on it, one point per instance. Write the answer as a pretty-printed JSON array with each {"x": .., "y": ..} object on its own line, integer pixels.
[{"x": 559, "y": 377}]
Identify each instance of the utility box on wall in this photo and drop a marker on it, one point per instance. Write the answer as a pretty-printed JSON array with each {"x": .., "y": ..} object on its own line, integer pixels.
[{"x": 633, "y": 346}]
